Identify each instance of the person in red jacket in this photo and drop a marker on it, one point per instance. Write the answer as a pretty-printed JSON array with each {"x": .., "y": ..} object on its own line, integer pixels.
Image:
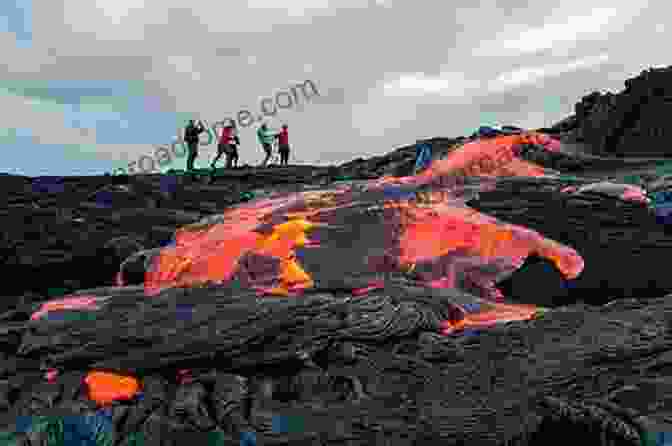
[
  {"x": 225, "y": 146},
  {"x": 283, "y": 145}
]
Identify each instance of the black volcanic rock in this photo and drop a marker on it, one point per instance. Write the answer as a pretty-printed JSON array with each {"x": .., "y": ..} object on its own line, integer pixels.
[
  {"x": 327, "y": 367},
  {"x": 632, "y": 122}
]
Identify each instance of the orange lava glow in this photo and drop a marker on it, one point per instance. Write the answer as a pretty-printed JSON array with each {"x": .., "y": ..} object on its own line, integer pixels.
[
  {"x": 68, "y": 303},
  {"x": 433, "y": 234},
  {"x": 210, "y": 256},
  {"x": 491, "y": 157},
  {"x": 496, "y": 313},
  {"x": 104, "y": 387}
]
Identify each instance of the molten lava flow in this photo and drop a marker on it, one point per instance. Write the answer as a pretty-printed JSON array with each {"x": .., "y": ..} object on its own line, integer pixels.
[
  {"x": 69, "y": 303},
  {"x": 426, "y": 234},
  {"x": 433, "y": 234},
  {"x": 491, "y": 157},
  {"x": 493, "y": 313},
  {"x": 216, "y": 259},
  {"x": 105, "y": 388},
  {"x": 281, "y": 244}
]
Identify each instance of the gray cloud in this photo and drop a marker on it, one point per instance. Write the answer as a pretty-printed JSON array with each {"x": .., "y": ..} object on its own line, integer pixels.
[{"x": 218, "y": 58}]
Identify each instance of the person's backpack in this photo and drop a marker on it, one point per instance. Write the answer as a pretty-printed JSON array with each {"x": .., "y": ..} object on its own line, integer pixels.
[{"x": 192, "y": 131}]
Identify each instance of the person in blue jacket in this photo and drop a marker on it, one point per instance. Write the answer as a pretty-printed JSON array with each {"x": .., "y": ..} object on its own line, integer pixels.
[{"x": 423, "y": 155}]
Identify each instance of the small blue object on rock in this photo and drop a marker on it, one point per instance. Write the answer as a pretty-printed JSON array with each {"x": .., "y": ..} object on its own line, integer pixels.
[
  {"x": 657, "y": 438},
  {"x": 280, "y": 424},
  {"x": 486, "y": 131},
  {"x": 168, "y": 184},
  {"x": 248, "y": 439},
  {"x": 663, "y": 213},
  {"x": 23, "y": 423},
  {"x": 661, "y": 197},
  {"x": 423, "y": 156},
  {"x": 104, "y": 198},
  {"x": 472, "y": 307},
  {"x": 185, "y": 311},
  {"x": 284, "y": 424},
  {"x": 398, "y": 193},
  {"x": 48, "y": 185},
  {"x": 568, "y": 284}
]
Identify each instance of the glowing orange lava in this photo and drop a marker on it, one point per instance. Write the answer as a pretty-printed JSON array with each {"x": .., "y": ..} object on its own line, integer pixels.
[
  {"x": 105, "y": 387},
  {"x": 433, "y": 234}
]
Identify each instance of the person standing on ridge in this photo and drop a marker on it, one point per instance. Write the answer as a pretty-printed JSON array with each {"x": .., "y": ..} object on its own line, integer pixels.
[
  {"x": 224, "y": 147},
  {"x": 191, "y": 133},
  {"x": 283, "y": 145},
  {"x": 265, "y": 137}
]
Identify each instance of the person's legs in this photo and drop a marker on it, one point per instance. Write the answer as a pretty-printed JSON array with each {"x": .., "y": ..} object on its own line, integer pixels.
[
  {"x": 267, "y": 149},
  {"x": 220, "y": 151},
  {"x": 282, "y": 150},
  {"x": 235, "y": 156},
  {"x": 193, "y": 153}
]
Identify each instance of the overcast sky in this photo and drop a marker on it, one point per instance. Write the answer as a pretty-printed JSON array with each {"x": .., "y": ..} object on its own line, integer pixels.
[{"x": 90, "y": 85}]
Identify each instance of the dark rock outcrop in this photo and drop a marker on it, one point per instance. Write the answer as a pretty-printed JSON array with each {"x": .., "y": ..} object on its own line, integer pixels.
[{"x": 633, "y": 122}]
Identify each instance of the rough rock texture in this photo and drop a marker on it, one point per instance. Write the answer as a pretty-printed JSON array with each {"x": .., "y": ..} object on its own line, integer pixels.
[
  {"x": 378, "y": 371},
  {"x": 369, "y": 370},
  {"x": 633, "y": 122},
  {"x": 613, "y": 236}
]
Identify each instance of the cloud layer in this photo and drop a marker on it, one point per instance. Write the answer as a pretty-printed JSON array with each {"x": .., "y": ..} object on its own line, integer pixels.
[{"x": 94, "y": 84}]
